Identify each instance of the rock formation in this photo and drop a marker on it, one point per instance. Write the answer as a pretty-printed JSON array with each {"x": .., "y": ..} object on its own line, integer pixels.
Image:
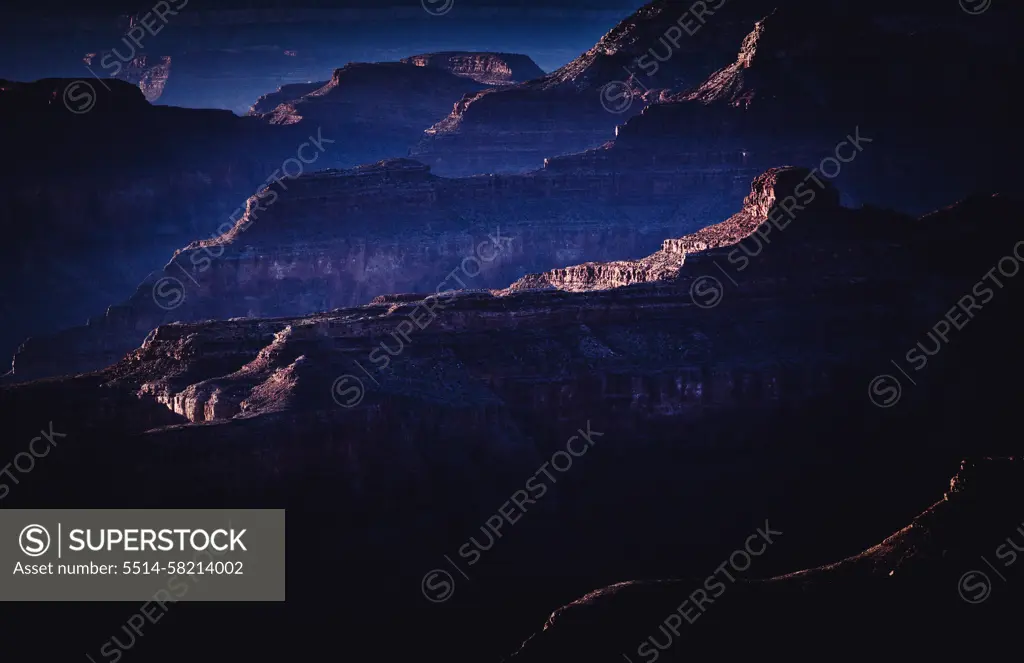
[
  {"x": 479, "y": 398},
  {"x": 578, "y": 106},
  {"x": 769, "y": 84},
  {"x": 743, "y": 242},
  {"x": 668, "y": 262},
  {"x": 341, "y": 238}
]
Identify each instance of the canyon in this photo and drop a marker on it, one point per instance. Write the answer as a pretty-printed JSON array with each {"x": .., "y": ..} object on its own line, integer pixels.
[
  {"x": 526, "y": 356},
  {"x": 764, "y": 392},
  {"x": 787, "y": 97}
]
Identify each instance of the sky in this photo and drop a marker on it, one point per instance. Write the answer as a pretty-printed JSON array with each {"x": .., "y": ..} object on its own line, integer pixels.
[
  {"x": 41, "y": 41},
  {"x": 144, "y": 5}
]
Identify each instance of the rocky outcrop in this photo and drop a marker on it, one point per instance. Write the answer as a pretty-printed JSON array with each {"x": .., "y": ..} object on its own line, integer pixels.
[
  {"x": 284, "y": 94},
  {"x": 767, "y": 191},
  {"x": 149, "y": 73},
  {"x": 487, "y": 68}
]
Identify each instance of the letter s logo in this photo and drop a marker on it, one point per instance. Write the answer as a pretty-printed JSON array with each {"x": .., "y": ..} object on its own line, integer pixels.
[{"x": 34, "y": 540}]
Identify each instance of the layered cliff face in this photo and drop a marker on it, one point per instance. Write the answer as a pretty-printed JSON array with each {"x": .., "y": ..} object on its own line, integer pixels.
[
  {"x": 487, "y": 68},
  {"x": 655, "y": 351},
  {"x": 341, "y": 238},
  {"x": 804, "y": 244},
  {"x": 804, "y": 241},
  {"x": 667, "y": 263},
  {"x": 711, "y": 406},
  {"x": 660, "y": 47}
]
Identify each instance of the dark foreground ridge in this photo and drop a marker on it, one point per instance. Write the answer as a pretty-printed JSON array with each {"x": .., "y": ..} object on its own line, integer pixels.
[{"x": 929, "y": 576}]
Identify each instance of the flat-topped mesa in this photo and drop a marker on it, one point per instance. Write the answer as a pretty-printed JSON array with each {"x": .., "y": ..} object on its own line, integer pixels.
[
  {"x": 381, "y": 73},
  {"x": 375, "y": 109},
  {"x": 488, "y": 68},
  {"x": 776, "y": 197}
]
